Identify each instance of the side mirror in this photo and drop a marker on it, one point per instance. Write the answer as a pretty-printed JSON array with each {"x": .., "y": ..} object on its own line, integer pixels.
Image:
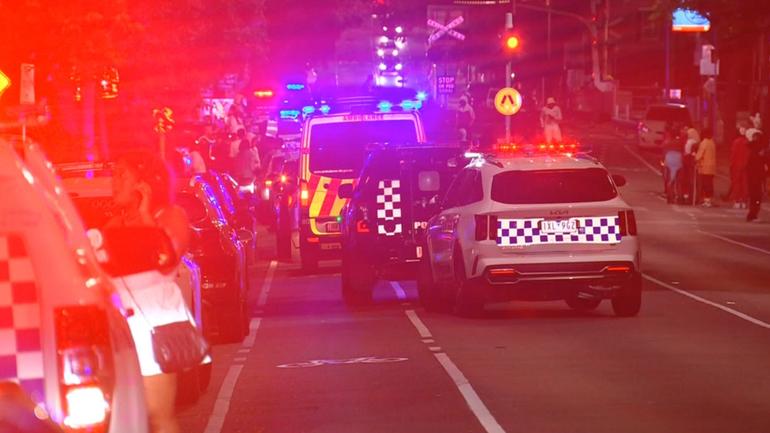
[
  {"x": 619, "y": 180},
  {"x": 345, "y": 191},
  {"x": 429, "y": 181},
  {"x": 133, "y": 250}
]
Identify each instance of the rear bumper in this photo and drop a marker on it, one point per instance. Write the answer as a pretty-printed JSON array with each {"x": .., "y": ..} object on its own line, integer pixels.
[{"x": 555, "y": 281}]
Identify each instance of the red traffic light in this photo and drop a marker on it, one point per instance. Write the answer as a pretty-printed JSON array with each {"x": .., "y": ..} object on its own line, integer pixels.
[{"x": 512, "y": 42}]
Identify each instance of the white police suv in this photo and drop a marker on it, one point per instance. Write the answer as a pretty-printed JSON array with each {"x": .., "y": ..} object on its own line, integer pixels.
[{"x": 535, "y": 223}]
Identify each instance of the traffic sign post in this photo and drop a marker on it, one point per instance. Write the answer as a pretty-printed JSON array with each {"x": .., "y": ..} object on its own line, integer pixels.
[
  {"x": 5, "y": 82},
  {"x": 508, "y": 103}
]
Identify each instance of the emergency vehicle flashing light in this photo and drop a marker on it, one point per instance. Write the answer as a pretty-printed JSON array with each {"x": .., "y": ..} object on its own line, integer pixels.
[
  {"x": 566, "y": 149},
  {"x": 264, "y": 93},
  {"x": 295, "y": 86}
]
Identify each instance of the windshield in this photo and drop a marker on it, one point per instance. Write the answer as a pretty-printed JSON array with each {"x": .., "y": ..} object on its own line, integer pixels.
[
  {"x": 339, "y": 149},
  {"x": 553, "y": 186},
  {"x": 669, "y": 114}
]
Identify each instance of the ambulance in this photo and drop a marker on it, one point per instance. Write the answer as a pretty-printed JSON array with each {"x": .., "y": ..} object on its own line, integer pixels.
[{"x": 333, "y": 149}]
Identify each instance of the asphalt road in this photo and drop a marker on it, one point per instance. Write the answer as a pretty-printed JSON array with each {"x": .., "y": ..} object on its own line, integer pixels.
[{"x": 696, "y": 359}]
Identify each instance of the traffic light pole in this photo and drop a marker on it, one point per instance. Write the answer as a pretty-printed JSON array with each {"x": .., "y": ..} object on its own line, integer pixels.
[{"x": 508, "y": 70}]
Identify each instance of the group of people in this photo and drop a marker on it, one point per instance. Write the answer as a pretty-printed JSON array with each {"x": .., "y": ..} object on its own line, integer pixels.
[
  {"x": 234, "y": 149},
  {"x": 690, "y": 160}
]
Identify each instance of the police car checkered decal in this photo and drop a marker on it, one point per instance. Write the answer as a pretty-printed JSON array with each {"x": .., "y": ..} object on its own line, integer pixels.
[
  {"x": 389, "y": 208},
  {"x": 21, "y": 356},
  {"x": 591, "y": 230}
]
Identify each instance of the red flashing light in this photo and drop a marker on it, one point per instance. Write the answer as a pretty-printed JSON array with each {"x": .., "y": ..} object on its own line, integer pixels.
[
  {"x": 264, "y": 93},
  {"x": 512, "y": 42}
]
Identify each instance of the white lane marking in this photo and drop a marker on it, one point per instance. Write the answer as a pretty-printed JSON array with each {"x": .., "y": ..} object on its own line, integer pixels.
[
  {"x": 400, "y": 293},
  {"x": 734, "y": 242},
  {"x": 421, "y": 328},
  {"x": 266, "y": 284},
  {"x": 428, "y": 340},
  {"x": 242, "y": 351},
  {"x": 222, "y": 405},
  {"x": 435, "y": 348},
  {"x": 248, "y": 342},
  {"x": 729, "y": 310},
  {"x": 240, "y": 359},
  {"x": 473, "y": 400},
  {"x": 643, "y": 161}
]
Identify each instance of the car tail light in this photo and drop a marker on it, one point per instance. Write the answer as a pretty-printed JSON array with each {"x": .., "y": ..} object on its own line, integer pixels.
[
  {"x": 482, "y": 227},
  {"x": 362, "y": 219},
  {"x": 627, "y": 223},
  {"x": 486, "y": 227},
  {"x": 618, "y": 269},
  {"x": 86, "y": 371},
  {"x": 304, "y": 195}
]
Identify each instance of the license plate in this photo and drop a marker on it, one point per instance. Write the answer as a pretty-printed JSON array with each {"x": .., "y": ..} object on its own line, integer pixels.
[
  {"x": 332, "y": 227},
  {"x": 334, "y": 246},
  {"x": 559, "y": 226}
]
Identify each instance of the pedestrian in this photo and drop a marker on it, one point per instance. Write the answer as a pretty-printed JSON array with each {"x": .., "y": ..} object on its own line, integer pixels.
[
  {"x": 247, "y": 162},
  {"x": 688, "y": 169},
  {"x": 672, "y": 158},
  {"x": 755, "y": 172},
  {"x": 550, "y": 118},
  {"x": 235, "y": 121},
  {"x": 466, "y": 117},
  {"x": 142, "y": 190},
  {"x": 706, "y": 161},
  {"x": 198, "y": 161},
  {"x": 739, "y": 158}
]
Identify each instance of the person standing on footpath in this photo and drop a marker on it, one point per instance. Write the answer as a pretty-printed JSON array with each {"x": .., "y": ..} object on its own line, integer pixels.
[
  {"x": 706, "y": 160},
  {"x": 739, "y": 158},
  {"x": 688, "y": 172},
  {"x": 550, "y": 118},
  {"x": 755, "y": 172}
]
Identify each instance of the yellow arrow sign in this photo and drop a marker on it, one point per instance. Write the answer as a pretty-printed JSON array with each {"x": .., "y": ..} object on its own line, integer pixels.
[
  {"x": 508, "y": 101},
  {"x": 5, "y": 82}
]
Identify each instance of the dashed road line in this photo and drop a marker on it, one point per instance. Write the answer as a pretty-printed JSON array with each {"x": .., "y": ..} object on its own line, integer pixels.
[
  {"x": 248, "y": 342},
  {"x": 472, "y": 399},
  {"x": 266, "y": 284},
  {"x": 417, "y": 322},
  {"x": 400, "y": 293},
  {"x": 734, "y": 242},
  {"x": 729, "y": 310},
  {"x": 222, "y": 405}
]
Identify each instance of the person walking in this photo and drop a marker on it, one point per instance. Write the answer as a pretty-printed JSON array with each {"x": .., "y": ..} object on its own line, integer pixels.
[
  {"x": 550, "y": 118},
  {"x": 672, "y": 159},
  {"x": 688, "y": 170},
  {"x": 466, "y": 117},
  {"x": 755, "y": 172},
  {"x": 739, "y": 158},
  {"x": 706, "y": 160},
  {"x": 142, "y": 190}
]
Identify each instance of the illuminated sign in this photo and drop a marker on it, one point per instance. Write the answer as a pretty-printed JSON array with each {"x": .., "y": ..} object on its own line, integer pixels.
[{"x": 686, "y": 20}]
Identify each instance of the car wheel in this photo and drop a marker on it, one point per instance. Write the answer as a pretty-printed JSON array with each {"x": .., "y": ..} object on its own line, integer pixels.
[
  {"x": 231, "y": 329},
  {"x": 204, "y": 376},
  {"x": 583, "y": 305},
  {"x": 628, "y": 301},
  {"x": 188, "y": 387},
  {"x": 431, "y": 297},
  {"x": 357, "y": 281},
  {"x": 469, "y": 300}
]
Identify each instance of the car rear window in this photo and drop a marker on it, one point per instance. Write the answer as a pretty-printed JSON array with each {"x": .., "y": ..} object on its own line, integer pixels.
[
  {"x": 339, "y": 149},
  {"x": 553, "y": 186},
  {"x": 669, "y": 114}
]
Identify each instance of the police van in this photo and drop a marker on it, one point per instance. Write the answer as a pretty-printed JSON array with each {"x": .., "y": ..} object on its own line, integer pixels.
[
  {"x": 537, "y": 223},
  {"x": 333, "y": 150},
  {"x": 384, "y": 223}
]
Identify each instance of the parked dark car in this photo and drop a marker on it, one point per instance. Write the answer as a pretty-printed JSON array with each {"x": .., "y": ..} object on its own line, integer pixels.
[{"x": 219, "y": 250}]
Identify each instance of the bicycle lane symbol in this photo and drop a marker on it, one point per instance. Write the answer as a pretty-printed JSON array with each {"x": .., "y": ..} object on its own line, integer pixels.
[{"x": 361, "y": 360}]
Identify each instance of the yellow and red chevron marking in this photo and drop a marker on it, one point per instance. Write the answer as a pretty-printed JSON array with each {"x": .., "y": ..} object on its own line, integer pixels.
[{"x": 323, "y": 199}]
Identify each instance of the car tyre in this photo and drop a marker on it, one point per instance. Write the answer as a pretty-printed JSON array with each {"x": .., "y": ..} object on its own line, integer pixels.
[
  {"x": 431, "y": 297},
  {"x": 231, "y": 324},
  {"x": 188, "y": 387},
  {"x": 357, "y": 281},
  {"x": 583, "y": 305},
  {"x": 469, "y": 299},
  {"x": 628, "y": 301}
]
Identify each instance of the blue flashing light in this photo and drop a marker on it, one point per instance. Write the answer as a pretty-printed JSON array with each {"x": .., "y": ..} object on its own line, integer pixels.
[
  {"x": 325, "y": 109},
  {"x": 295, "y": 86},
  {"x": 308, "y": 109},
  {"x": 422, "y": 96},
  {"x": 407, "y": 105},
  {"x": 385, "y": 106},
  {"x": 289, "y": 114}
]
